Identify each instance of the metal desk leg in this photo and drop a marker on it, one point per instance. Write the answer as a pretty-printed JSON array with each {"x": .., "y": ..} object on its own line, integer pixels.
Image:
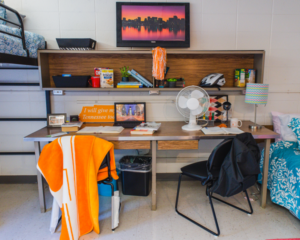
[
  {"x": 264, "y": 190},
  {"x": 153, "y": 148},
  {"x": 40, "y": 182}
]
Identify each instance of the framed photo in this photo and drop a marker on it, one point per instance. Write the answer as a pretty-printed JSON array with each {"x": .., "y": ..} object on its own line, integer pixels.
[
  {"x": 56, "y": 119},
  {"x": 216, "y": 106},
  {"x": 74, "y": 118}
]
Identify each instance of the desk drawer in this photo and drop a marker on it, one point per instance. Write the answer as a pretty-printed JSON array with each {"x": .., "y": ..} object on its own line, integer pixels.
[
  {"x": 131, "y": 144},
  {"x": 177, "y": 145}
]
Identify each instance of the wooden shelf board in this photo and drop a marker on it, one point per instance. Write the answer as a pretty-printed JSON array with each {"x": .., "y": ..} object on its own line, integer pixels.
[
  {"x": 224, "y": 89},
  {"x": 169, "y": 51}
]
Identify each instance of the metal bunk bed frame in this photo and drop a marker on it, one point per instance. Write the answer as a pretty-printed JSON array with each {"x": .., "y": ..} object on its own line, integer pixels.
[{"x": 14, "y": 59}]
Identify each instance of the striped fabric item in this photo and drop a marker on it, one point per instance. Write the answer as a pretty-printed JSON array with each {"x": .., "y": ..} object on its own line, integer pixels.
[
  {"x": 71, "y": 165},
  {"x": 257, "y": 93}
]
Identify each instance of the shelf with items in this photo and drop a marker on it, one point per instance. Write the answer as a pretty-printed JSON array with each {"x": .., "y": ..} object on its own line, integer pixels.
[
  {"x": 190, "y": 65},
  {"x": 224, "y": 90}
]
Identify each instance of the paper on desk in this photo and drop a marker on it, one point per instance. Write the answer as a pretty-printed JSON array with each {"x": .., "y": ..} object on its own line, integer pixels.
[
  {"x": 213, "y": 130},
  {"x": 57, "y": 134},
  {"x": 102, "y": 129},
  {"x": 218, "y": 130},
  {"x": 233, "y": 130}
]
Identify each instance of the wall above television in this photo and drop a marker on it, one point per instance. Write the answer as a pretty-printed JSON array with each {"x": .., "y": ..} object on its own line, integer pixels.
[{"x": 153, "y": 24}]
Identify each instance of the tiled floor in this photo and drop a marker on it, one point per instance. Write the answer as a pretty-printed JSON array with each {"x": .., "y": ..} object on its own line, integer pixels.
[{"x": 20, "y": 217}]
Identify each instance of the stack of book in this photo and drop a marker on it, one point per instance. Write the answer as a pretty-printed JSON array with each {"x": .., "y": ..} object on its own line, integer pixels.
[
  {"x": 140, "y": 78},
  {"x": 141, "y": 132},
  {"x": 71, "y": 126},
  {"x": 145, "y": 128},
  {"x": 129, "y": 85}
]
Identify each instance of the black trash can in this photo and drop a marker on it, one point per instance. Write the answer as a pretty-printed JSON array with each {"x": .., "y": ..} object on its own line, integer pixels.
[{"x": 136, "y": 175}]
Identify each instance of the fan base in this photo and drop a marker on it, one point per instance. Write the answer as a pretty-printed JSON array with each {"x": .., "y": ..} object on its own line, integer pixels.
[{"x": 191, "y": 127}]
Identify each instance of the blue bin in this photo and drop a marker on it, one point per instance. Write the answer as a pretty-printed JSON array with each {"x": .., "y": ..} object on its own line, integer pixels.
[{"x": 105, "y": 190}]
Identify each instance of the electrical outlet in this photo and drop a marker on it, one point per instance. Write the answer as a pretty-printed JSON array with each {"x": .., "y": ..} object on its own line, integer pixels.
[
  {"x": 154, "y": 92},
  {"x": 58, "y": 92}
]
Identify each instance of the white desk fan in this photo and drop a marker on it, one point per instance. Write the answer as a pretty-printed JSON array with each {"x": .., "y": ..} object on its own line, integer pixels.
[{"x": 192, "y": 102}]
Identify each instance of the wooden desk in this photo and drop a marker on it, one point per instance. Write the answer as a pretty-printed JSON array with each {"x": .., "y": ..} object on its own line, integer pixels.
[{"x": 170, "y": 136}]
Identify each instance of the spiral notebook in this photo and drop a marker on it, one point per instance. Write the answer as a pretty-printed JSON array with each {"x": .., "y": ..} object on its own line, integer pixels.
[
  {"x": 101, "y": 129},
  {"x": 219, "y": 131}
]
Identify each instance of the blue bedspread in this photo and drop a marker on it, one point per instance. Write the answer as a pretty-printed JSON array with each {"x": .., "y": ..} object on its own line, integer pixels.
[
  {"x": 13, "y": 45},
  {"x": 284, "y": 175}
]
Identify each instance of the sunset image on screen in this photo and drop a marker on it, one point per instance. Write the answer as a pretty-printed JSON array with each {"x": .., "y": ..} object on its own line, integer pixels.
[{"x": 153, "y": 23}]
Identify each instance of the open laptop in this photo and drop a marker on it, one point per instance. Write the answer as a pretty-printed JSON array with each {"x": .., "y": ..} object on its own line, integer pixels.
[{"x": 129, "y": 115}]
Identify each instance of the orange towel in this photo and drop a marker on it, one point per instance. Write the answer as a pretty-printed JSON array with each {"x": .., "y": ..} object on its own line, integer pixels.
[
  {"x": 71, "y": 165},
  {"x": 159, "y": 63}
]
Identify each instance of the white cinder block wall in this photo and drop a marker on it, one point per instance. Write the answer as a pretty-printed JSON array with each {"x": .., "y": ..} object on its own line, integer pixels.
[{"x": 271, "y": 25}]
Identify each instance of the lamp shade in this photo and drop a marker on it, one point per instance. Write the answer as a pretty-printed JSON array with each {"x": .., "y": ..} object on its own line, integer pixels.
[{"x": 257, "y": 93}]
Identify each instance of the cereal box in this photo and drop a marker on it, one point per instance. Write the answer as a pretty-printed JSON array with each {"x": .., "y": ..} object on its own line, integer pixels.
[
  {"x": 107, "y": 78},
  {"x": 239, "y": 80},
  {"x": 250, "y": 76}
]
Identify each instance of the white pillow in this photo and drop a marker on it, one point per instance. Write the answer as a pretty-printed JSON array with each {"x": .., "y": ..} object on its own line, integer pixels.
[
  {"x": 286, "y": 133},
  {"x": 13, "y": 18},
  {"x": 276, "y": 124}
]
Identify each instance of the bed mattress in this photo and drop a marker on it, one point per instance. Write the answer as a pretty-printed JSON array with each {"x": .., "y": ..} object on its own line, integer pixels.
[
  {"x": 13, "y": 45},
  {"x": 284, "y": 175}
]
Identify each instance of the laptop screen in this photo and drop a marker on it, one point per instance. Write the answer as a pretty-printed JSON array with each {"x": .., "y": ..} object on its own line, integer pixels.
[{"x": 130, "y": 112}]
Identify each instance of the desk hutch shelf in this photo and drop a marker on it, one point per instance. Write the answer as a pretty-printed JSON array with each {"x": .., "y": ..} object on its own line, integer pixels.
[{"x": 188, "y": 64}]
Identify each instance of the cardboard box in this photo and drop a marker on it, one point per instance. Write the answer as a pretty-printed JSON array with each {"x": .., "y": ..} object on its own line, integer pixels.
[{"x": 107, "y": 78}]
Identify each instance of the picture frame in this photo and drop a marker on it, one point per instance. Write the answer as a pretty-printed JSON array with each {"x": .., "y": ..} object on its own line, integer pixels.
[
  {"x": 74, "y": 118},
  {"x": 216, "y": 106},
  {"x": 56, "y": 119}
]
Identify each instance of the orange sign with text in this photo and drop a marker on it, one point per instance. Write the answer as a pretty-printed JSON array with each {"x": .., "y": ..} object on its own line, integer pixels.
[{"x": 97, "y": 113}]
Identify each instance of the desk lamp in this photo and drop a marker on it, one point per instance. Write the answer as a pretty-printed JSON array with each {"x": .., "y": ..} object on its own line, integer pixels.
[
  {"x": 226, "y": 107},
  {"x": 256, "y": 93}
]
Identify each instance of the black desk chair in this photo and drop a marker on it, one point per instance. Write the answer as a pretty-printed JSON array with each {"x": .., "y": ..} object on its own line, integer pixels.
[{"x": 199, "y": 171}]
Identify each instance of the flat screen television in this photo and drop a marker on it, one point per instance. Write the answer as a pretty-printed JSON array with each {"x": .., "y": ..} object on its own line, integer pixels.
[{"x": 153, "y": 24}]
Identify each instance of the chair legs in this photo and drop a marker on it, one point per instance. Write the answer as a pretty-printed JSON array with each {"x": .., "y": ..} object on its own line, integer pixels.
[
  {"x": 250, "y": 206},
  {"x": 191, "y": 220},
  {"x": 210, "y": 196}
]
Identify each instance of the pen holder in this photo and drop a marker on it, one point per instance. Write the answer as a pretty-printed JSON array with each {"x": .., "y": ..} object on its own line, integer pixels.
[{"x": 210, "y": 123}]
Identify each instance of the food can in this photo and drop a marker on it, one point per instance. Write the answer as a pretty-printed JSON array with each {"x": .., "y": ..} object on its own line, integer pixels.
[
  {"x": 239, "y": 78},
  {"x": 250, "y": 75}
]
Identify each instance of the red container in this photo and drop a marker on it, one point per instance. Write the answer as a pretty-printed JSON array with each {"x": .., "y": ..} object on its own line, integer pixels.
[
  {"x": 95, "y": 82},
  {"x": 97, "y": 71}
]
